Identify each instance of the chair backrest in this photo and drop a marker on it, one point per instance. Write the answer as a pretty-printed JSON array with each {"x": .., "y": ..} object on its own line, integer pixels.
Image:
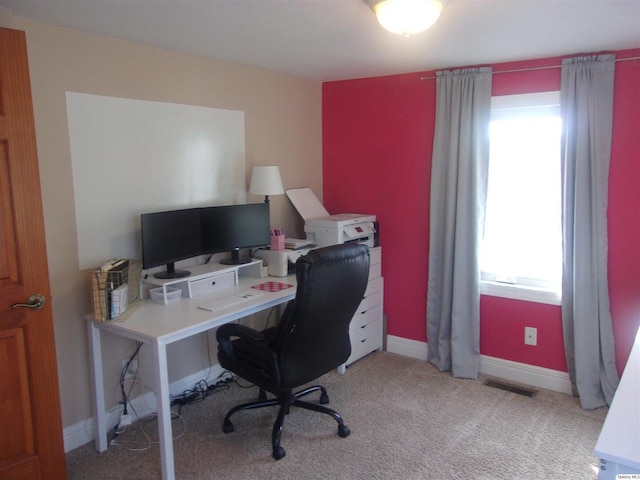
[{"x": 313, "y": 334}]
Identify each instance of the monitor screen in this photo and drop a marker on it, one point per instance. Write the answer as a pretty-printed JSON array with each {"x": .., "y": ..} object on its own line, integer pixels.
[
  {"x": 168, "y": 237},
  {"x": 231, "y": 228}
]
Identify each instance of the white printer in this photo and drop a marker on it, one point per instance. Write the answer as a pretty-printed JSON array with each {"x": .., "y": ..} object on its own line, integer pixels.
[
  {"x": 341, "y": 228},
  {"x": 324, "y": 229}
]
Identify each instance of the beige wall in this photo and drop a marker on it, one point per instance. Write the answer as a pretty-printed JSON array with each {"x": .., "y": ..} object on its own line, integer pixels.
[{"x": 283, "y": 127}]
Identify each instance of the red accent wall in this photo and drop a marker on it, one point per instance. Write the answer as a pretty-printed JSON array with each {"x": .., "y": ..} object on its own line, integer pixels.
[{"x": 377, "y": 146}]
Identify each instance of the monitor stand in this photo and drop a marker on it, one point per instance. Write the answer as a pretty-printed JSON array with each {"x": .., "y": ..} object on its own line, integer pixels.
[
  {"x": 235, "y": 258},
  {"x": 171, "y": 272}
]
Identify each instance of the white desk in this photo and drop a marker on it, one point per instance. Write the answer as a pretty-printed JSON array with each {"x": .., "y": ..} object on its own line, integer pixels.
[
  {"x": 618, "y": 447},
  {"x": 159, "y": 325}
]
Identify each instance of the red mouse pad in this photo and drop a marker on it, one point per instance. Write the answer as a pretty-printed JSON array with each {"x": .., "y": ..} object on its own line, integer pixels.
[{"x": 272, "y": 286}]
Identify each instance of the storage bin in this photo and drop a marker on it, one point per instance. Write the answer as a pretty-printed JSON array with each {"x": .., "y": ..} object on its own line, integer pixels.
[{"x": 158, "y": 295}]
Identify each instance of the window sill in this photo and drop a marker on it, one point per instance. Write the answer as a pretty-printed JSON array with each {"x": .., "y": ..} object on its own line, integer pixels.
[{"x": 520, "y": 292}]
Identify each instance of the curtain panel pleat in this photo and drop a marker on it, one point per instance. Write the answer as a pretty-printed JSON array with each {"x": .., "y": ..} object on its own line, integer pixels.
[
  {"x": 458, "y": 194},
  {"x": 586, "y": 103}
]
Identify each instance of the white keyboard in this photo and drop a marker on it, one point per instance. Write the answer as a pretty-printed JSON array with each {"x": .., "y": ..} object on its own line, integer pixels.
[{"x": 231, "y": 300}]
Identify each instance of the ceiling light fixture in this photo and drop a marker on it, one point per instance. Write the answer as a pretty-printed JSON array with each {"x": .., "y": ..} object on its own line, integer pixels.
[{"x": 406, "y": 17}]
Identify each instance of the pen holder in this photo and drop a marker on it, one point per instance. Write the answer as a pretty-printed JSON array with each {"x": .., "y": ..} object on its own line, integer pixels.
[{"x": 277, "y": 242}]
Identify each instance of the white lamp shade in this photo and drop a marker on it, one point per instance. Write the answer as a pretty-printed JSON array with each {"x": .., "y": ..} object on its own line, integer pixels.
[
  {"x": 406, "y": 17},
  {"x": 265, "y": 180}
]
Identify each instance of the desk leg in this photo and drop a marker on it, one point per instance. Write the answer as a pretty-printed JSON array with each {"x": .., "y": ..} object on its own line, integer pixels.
[
  {"x": 164, "y": 411},
  {"x": 95, "y": 344}
]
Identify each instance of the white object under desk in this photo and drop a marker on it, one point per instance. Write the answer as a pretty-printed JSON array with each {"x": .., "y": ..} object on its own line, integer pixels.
[{"x": 159, "y": 325}]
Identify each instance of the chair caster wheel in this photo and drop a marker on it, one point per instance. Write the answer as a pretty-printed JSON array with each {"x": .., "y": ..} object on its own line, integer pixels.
[
  {"x": 343, "y": 431},
  {"x": 324, "y": 399},
  {"x": 279, "y": 453},
  {"x": 227, "y": 427}
]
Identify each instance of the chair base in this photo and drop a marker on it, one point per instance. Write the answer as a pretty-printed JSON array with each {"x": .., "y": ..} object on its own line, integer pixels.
[{"x": 287, "y": 400}]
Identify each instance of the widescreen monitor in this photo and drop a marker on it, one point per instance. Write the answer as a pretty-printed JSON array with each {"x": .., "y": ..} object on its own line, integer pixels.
[
  {"x": 168, "y": 237},
  {"x": 174, "y": 235},
  {"x": 231, "y": 228}
]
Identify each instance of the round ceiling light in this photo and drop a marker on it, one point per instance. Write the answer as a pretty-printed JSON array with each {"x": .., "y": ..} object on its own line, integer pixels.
[{"x": 406, "y": 17}]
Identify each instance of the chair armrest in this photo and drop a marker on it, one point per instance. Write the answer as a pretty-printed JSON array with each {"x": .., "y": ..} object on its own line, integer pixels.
[
  {"x": 248, "y": 354},
  {"x": 228, "y": 330}
]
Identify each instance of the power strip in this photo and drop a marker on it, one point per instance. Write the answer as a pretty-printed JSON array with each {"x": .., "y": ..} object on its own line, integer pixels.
[{"x": 225, "y": 377}]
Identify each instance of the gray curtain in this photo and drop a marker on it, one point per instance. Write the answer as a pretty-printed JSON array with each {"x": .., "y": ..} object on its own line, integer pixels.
[
  {"x": 458, "y": 194},
  {"x": 586, "y": 102}
]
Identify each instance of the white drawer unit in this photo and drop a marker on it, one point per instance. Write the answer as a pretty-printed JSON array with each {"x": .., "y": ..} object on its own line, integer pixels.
[
  {"x": 367, "y": 328},
  {"x": 210, "y": 284}
]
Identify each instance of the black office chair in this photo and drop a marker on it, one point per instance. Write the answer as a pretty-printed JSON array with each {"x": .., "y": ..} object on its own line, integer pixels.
[{"x": 311, "y": 339}]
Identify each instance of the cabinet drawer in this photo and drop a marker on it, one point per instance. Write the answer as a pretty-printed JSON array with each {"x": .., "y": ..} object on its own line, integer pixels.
[
  {"x": 365, "y": 346},
  {"x": 375, "y": 256},
  {"x": 211, "y": 284},
  {"x": 374, "y": 286},
  {"x": 366, "y": 316},
  {"x": 375, "y": 271},
  {"x": 369, "y": 301},
  {"x": 359, "y": 333}
]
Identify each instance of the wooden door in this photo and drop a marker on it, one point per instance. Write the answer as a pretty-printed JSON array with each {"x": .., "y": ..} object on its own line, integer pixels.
[{"x": 31, "y": 445}]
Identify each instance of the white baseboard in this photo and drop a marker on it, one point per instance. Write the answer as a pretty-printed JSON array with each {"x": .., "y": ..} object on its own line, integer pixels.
[
  {"x": 496, "y": 367},
  {"x": 406, "y": 347},
  {"x": 82, "y": 432},
  {"x": 539, "y": 377}
]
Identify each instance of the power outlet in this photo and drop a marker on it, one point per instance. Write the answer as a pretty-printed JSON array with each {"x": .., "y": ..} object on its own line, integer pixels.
[
  {"x": 132, "y": 371},
  {"x": 126, "y": 420},
  {"x": 530, "y": 336}
]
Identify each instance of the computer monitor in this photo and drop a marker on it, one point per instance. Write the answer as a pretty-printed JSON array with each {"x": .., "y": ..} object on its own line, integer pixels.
[
  {"x": 168, "y": 237},
  {"x": 231, "y": 228}
]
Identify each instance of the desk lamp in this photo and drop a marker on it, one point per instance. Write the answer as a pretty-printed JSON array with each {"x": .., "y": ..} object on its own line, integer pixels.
[{"x": 265, "y": 180}]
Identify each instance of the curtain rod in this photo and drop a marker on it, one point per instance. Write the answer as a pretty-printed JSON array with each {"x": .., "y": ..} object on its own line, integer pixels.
[{"x": 538, "y": 68}]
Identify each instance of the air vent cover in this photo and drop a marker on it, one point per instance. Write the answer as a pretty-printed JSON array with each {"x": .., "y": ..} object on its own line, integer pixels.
[{"x": 527, "y": 392}]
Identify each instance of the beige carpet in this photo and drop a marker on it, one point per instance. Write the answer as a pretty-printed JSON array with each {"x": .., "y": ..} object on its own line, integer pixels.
[{"x": 408, "y": 421}]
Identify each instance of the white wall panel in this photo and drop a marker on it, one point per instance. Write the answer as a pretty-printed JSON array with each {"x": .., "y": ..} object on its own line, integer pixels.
[{"x": 133, "y": 156}]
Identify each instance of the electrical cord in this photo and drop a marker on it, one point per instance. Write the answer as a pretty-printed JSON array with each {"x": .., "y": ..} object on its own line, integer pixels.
[
  {"x": 141, "y": 428},
  {"x": 202, "y": 390},
  {"x": 117, "y": 394},
  {"x": 123, "y": 374}
]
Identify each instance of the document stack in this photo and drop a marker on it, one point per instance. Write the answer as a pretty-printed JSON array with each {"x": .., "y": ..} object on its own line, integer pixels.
[{"x": 110, "y": 289}]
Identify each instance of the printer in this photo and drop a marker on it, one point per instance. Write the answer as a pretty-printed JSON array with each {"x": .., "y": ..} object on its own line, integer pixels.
[
  {"x": 341, "y": 228},
  {"x": 323, "y": 229}
]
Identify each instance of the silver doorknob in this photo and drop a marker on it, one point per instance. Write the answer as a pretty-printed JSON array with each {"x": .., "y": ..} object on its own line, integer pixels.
[{"x": 34, "y": 302}]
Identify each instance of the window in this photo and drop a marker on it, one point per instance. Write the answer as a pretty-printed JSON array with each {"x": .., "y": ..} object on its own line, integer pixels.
[{"x": 521, "y": 253}]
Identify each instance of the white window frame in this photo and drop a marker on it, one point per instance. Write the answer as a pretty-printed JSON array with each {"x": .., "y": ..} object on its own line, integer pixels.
[{"x": 510, "y": 287}]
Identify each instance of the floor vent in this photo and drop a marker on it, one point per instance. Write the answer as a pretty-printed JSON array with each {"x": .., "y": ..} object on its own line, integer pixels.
[{"x": 527, "y": 392}]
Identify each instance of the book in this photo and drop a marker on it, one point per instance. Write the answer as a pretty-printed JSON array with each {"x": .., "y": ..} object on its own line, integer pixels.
[{"x": 118, "y": 301}]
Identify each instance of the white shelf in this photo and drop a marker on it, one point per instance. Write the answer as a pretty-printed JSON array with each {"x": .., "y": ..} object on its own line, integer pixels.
[{"x": 200, "y": 273}]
